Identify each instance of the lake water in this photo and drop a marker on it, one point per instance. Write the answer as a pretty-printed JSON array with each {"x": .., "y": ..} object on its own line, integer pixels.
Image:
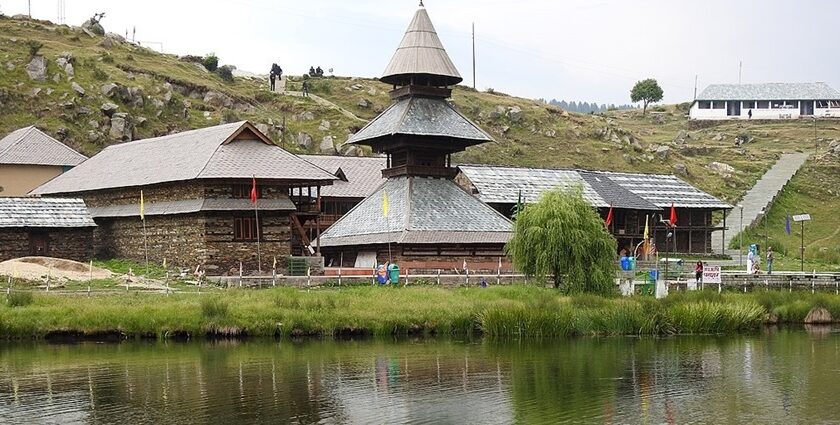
[{"x": 777, "y": 376}]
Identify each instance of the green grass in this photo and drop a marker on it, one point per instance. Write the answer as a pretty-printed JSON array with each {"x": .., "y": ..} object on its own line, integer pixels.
[{"x": 525, "y": 311}]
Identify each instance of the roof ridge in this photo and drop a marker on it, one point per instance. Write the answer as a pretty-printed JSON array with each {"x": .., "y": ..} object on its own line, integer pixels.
[
  {"x": 178, "y": 134},
  {"x": 18, "y": 140}
]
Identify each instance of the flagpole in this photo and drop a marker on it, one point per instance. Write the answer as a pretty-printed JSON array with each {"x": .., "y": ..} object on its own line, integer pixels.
[
  {"x": 146, "y": 245},
  {"x": 257, "y": 222}
]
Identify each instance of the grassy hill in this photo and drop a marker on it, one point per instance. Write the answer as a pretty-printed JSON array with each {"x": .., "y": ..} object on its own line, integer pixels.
[{"x": 157, "y": 94}]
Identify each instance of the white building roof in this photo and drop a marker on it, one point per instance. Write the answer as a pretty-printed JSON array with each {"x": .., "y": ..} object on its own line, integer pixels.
[{"x": 769, "y": 91}]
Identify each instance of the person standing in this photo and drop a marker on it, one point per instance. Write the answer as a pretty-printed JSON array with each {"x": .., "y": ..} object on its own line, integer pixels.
[
  {"x": 770, "y": 258},
  {"x": 305, "y": 88},
  {"x": 750, "y": 260},
  {"x": 698, "y": 272},
  {"x": 749, "y": 114},
  {"x": 272, "y": 78}
]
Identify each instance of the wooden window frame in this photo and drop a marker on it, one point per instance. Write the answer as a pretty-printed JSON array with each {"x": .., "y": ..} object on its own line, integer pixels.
[
  {"x": 243, "y": 191},
  {"x": 246, "y": 229}
]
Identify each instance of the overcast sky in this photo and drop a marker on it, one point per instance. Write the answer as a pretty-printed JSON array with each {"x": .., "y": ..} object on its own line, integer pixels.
[{"x": 574, "y": 50}]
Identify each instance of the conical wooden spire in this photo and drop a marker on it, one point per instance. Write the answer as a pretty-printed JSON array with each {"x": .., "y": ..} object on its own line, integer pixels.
[{"x": 420, "y": 58}]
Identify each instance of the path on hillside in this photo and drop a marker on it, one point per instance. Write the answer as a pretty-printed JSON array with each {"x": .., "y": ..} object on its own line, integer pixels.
[
  {"x": 280, "y": 87},
  {"x": 758, "y": 198}
]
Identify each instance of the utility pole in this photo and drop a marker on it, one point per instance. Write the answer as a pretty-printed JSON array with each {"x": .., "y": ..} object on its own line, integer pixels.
[
  {"x": 816, "y": 145},
  {"x": 29, "y": 5},
  {"x": 740, "y": 64},
  {"x": 695, "y": 86},
  {"x": 473, "y": 53}
]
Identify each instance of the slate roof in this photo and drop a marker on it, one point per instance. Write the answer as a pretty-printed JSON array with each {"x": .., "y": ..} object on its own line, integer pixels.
[
  {"x": 44, "y": 213},
  {"x": 30, "y": 146},
  {"x": 208, "y": 153},
  {"x": 601, "y": 189},
  {"x": 423, "y": 210},
  {"x": 770, "y": 91},
  {"x": 186, "y": 206},
  {"x": 421, "y": 53},
  {"x": 420, "y": 116},
  {"x": 363, "y": 174}
]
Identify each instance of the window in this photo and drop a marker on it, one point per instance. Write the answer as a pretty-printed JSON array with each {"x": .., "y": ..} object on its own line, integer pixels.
[
  {"x": 243, "y": 191},
  {"x": 704, "y": 104},
  {"x": 245, "y": 229},
  {"x": 718, "y": 104},
  {"x": 748, "y": 104},
  {"x": 785, "y": 104},
  {"x": 763, "y": 104},
  {"x": 822, "y": 104},
  {"x": 834, "y": 104}
]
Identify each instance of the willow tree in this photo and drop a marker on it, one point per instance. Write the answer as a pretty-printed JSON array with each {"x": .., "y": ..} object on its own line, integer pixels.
[{"x": 563, "y": 237}]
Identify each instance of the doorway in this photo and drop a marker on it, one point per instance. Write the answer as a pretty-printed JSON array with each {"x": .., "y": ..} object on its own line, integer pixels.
[
  {"x": 806, "y": 108},
  {"x": 39, "y": 244},
  {"x": 733, "y": 108}
]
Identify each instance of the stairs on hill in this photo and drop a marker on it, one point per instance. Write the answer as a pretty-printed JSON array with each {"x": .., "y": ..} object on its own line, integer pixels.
[{"x": 758, "y": 198}]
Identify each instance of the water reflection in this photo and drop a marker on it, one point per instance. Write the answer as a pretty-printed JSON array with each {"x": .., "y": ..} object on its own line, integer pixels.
[{"x": 781, "y": 376}]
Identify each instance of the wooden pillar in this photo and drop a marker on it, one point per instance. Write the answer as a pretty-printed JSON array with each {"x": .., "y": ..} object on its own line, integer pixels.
[
  {"x": 318, "y": 221},
  {"x": 723, "y": 238},
  {"x": 690, "y": 213}
]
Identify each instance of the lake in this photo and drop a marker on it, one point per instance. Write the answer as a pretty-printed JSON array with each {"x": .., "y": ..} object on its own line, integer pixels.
[{"x": 776, "y": 376}]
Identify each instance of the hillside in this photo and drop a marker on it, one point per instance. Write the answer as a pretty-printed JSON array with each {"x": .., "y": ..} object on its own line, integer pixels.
[{"x": 96, "y": 91}]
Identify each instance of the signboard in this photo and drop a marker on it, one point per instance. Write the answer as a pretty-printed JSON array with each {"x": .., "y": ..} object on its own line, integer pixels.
[
  {"x": 711, "y": 274},
  {"x": 802, "y": 217}
]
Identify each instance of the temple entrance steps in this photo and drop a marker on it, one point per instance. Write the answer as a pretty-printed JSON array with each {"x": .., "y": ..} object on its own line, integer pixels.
[{"x": 757, "y": 199}]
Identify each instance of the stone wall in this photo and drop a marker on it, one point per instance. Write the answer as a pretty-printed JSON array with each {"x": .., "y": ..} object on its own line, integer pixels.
[
  {"x": 73, "y": 244},
  {"x": 224, "y": 254},
  {"x": 178, "y": 238}
]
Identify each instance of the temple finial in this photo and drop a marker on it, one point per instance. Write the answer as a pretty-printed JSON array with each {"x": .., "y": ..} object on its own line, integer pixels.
[{"x": 421, "y": 3}]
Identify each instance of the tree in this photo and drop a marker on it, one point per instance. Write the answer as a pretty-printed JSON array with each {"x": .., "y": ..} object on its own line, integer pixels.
[
  {"x": 646, "y": 91},
  {"x": 562, "y": 236}
]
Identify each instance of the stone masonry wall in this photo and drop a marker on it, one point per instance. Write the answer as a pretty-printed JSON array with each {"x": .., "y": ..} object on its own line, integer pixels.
[
  {"x": 178, "y": 238},
  {"x": 72, "y": 244},
  {"x": 224, "y": 254}
]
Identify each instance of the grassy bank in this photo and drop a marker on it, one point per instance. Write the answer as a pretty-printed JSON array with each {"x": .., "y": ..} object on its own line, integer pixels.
[{"x": 498, "y": 312}]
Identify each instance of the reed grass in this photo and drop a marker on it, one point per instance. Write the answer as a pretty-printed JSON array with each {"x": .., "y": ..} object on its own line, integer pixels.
[{"x": 501, "y": 312}]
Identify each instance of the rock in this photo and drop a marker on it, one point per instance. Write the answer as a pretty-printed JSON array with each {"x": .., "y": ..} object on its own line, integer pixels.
[
  {"x": 327, "y": 146},
  {"x": 363, "y": 103},
  {"x": 37, "y": 68},
  {"x": 722, "y": 168},
  {"x": 93, "y": 27},
  {"x": 167, "y": 97},
  {"x": 108, "y": 108},
  {"x": 68, "y": 69},
  {"x": 200, "y": 67},
  {"x": 77, "y": 88},
  {"x": 565, "y": 114},
  {"x": 49, "y": 91},
  {"x": 351, "y": 150},
  {"x": 158, "y": 104},
  {"x": 61, "y": 62},
  {"x": 136, "y": 97},
  {"x": 605, "y": 150},
  {"x": 35, "y": 92},
  {"x": 217, "y": 99},
  {"x": 10, "y": 66},
  {"x": 818, "y": 315},
  {"x": 93, "y": 123},
  {"x": 56, "y": 78},
  {"x": 550, "y": 133},
  {"x": 663, "y": 151},
  {"x": 305, "y": 116},
  {"x": 68, "y": 56},
  {"x": 93, "y": 136},
  {"x": 681, "y": 136},
  {"x": 121, "y": 129},
  {"x": 515, "y": 113},
  {"x": 636, "y": 145},
  {"x": 61, "y": 133},
  {"x": 357, "y": 87},
  {"x": 109, "y": 90},
  {"x": 304, "y": 141},
  {"x": 263, "y": 128},
  {"x": 681, "y": 170},
  {"x": 505, "y": 129},
  {"x": 243, "y": 107},
  {"x": 372, "y": 91},
  {"x": 742, "y": 139},
  {"x": 84, "y": 110},
  {"x": 325, "y": 125},
  {"x": 628, "y": 159},
  {"x": 718, "y": 137},
  {"x": 139, "y": 121}
]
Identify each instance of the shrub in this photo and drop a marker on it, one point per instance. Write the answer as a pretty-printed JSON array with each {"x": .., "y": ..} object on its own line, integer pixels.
[
  {"x": 34, "y": 47},
  {"x": 214, "y": 308},
  {"x": 225, "y": 73},
  {"x": 211, "y": 62},
  {"x": 107, "y": 58},
  {"x": 129, "y": 57},
  {"x": 229, "y": 116},
  {"x": 20, "y": 299},
  {"x": 265, "y": 96},
  {"x": 191, "y": 58},
  {"x": 99, "y": 74}
]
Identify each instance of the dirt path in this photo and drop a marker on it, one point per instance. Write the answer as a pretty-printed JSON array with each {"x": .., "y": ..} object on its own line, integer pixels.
[
  {"x": 280, "y": 87},
  {"x": 38, "y": 268}
]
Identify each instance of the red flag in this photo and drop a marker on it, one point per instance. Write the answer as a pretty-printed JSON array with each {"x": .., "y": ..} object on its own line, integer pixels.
[
  {"x": 673, "y": 218},
  {"x": 609, "y": 217},
  {"x": 254, "y": 190}
]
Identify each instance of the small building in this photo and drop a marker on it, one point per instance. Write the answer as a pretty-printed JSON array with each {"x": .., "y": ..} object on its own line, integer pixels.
[
  {"x": 61, "y": 228},
  {"x": 29, "y": 158},
  {"x": 634, "y": 198},
  {"x": 196, "y": 187},
  {"x": 419, "y": 218},
  {"x": 771, "y": 101},
  {"x": 358, "y": 177}
]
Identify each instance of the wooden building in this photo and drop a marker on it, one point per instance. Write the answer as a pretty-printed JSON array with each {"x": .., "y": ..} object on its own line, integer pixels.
[
  {"x": 419, "y": 218},
  {"x": 61, "y": 228},
  {"x": 634, "y": 198},
  {"x": 196, "y": 186},
  {"x": 29, "y": 158}
]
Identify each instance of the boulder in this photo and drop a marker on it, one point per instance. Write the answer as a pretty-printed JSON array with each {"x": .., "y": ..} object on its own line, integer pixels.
[
  {"x": 109, "y": 90},
  {"x": 636, "y": 145},
  {"x": 681, "y": 170},
  {"x": 69, "y": 70},
  {"x": 108, "y": 108},
  {"x": 514, "y": 113},
  {"x": 325, "y": 125},
  {"x": 93, "y": 27},
  {"x": 818, "y": 315},
  {"x": 351, "y": 150},
  {"x": 139, "y": 121},
  {"x": 721, "y": 168},
  {"x": 663, "y": 151},
  {"x": 217, "y": 99},
  {"x": 718, "y": 137},
  {"x": 77, "y": 88},
  {"x": 363, "y": 103},
  {"x": 304, "y": 141},
  {"x": 305, "y": 116},
  {"x": 93, "y": 136},
  {"x": 327, "y": 146},
  {"x": 135, "y": 97},
  {"x": 263, "y": 128},
  {"x": 681, "y": 136},
  {"x": 37, "y": 68},
  {"x": 121, "y": 129}
]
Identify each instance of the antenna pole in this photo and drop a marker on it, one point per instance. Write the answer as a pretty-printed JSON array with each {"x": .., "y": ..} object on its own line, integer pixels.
[
  {"x": 695, "y": 86},
  {"x": 740, "y": 64},
  {"x": 473, "y": 53},
  {"x": 29, "y": 5}
]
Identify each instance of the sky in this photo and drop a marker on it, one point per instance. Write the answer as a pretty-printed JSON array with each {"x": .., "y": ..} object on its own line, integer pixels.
[{"x": 573, "y": 50}]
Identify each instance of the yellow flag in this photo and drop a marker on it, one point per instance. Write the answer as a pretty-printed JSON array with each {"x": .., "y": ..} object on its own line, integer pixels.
[
  {"x": 385, "y": 205},
  {"x": 647, "y": 232},
  {"x": 142, "y": 207}
]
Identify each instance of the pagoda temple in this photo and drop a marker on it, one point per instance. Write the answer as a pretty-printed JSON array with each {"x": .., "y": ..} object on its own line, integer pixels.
[{"x": 419, "y": 218}]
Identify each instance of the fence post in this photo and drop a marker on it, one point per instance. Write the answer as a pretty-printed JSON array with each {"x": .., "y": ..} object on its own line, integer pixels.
[
  {"x": 88, "y": 290},
  {"x": 438, "y": 277},
  {"x": 790, "y": 285},
  {"x": 836, "y": 287},
  {"x": 406, "y": 277},
  {"x": 468, "y": 276},
  {"x": 812, "y": 285},
  {"x": 720, "y": 286},
  {"x": 339, "y": 277},
  {"x": 308, "y": 278}
]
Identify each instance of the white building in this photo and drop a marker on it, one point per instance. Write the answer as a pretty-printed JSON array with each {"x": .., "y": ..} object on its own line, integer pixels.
[{"x": 766, "y": 101}]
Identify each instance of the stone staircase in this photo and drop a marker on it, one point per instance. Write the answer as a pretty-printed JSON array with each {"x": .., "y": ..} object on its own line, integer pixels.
[{"x": 758, "y": 198}]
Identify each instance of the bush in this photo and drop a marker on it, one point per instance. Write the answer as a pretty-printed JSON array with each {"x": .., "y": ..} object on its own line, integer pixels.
[
  {"x": 265, "y": 96},
  {"x": 99, "y": 74},
  {"x": 225, "y": 73},
  {"x": 229, "y": 116},
  {"x": 129, "y": 57},
  {"x": 191, "y": 58},
  {"x": 107, "y": 58},
  {"x": 34, "y": 47},
  {"x": 211, "y": 62},
  {"x": 214, "y": 308},
  {"x": 20, "y": 299}
]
